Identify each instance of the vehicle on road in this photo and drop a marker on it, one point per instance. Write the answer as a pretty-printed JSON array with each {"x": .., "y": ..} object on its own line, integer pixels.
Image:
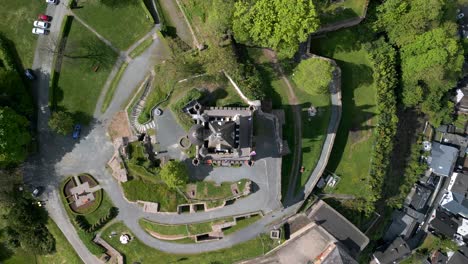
[
  {"x": 55, "y": 2},
  {"x": 460, "y": 15},
  {"x": 40, "y": 31},
  {"x": 76, "y": 131},
  {"x": 44, "y": 17},
  {"x": 29, "y": 74},
  {"x": 41, "y": 24},
  {"x": 37, "y": 191}
]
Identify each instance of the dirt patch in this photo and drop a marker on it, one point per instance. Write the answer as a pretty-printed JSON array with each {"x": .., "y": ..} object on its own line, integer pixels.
[
  {"x": 358, "y": 135},
  {"x": 119, "y": 126}
]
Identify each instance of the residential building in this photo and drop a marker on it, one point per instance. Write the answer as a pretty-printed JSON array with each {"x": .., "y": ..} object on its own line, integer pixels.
[
  {"x": 455, "y": 200},
  {"x": 393, "y": 252},
  {"x": 442, "y": 159},
  {"x": 222, "y": 134},
  {"x": 444, "y": 224}
]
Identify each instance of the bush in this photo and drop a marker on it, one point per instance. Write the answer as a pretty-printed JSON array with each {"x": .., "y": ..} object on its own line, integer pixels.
[{"x": 61, "y": 122}]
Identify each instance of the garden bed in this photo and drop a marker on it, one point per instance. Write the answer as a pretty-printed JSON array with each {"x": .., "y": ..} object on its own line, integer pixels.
[{"x": 89, "y": 207}]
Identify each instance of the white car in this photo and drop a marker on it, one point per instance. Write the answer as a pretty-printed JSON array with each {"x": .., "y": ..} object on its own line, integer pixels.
[
  {"x": 39, "y": 31},
  {"x": 41, "y": 24},
  {"x": 460, "y": 16},
  {"x": 52, "y": 2}
]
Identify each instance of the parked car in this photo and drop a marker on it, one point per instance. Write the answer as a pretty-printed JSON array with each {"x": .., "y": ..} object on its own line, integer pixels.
[
  {"x": 29, "y": 74},
  {"x": 44, "y": 17},
  {"x": 55, "y": 2},
  {"x": 41, "y": 24},
  {"x": 37, "y": 191},
  {"x": 460, "y": 15},
  {"x": 40, "y": 31},
  {"x": 76, "y": 131}
]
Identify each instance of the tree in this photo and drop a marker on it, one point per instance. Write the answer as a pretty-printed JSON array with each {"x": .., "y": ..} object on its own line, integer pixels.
[
  {"x": 314, "y": 75},
  {"x": 61, "y": 122},
  {"x": 26, "y": 226},
  {"x": 14, "y": 137},
  {"x": 174, "y": 174},
  {"x": 278, "y": 24}
]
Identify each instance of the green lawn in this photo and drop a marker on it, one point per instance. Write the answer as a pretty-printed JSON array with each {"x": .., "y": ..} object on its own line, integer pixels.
[
  {"x": 64, "y": 252},
  {"x": 350, "y": 158},
  {"x": 16, "y": 25},
  {"x": 79, "y": 86},
  {"x": 208, "y": 190},
  {"x": 122, "y": 25},
  {"x": 136, "y": 251},
  {"x": 169, "y": 230},
  {"x": 342, "y": 10},
  {"x": 141, "y": 48},
  {"x": 242, "y": 223},
  {"x": 158, "y": 193},
  {"x": 314, "y": 129},
  {"x": 111, "y": 90}
]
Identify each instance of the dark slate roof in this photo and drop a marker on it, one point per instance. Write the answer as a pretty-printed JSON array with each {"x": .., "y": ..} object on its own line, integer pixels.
[
  {"x": 445, "y": 224},
  {"x": 339, "y": 256},
  {"x": 420, "y": 197},
  {"x": 402, "y": 225},
  {"x": 394, "y": 252},
  {"x": 223, "y": 132},
  {"x": 442, "y": 159},
  {"x": 458, "y": 258},
  {"x": 337, "y": 225}
]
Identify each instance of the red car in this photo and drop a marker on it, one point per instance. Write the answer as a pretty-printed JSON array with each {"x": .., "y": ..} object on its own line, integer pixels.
[{"x": 44, "y": 17}]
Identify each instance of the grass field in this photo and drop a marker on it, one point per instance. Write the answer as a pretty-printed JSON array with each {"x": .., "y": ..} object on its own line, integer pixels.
[
  {"x": 314, "y": 130},
  {"x": 208, "y": 190},
  {"x": 350, "y": 158},
  {"x": 79, "y": 86},
  {"x": 342, "y": 10},
  {"x": 141, "y": 48},
  {"x": 16, "y": 25},
  {"x": 136, "y": 251},
  {"x": 111, "y": 90},
  {"x": 122, "y": 25}
]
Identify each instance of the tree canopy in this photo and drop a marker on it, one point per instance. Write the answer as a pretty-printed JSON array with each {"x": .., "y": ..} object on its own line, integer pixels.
[
  {"x": 278, "y": 24},
  {"x": 26, "y": 226},
  {"x": 314, "y": 75},
  {"x": 430, "y": 52},
  {"x": 61, "y": 122},
  {"x": 14, "y": 137},
  {"x": 174, "y": 174}
]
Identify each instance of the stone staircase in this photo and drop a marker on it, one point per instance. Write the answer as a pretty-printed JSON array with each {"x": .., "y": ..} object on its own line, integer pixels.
[{"x": 138, "y": 107}]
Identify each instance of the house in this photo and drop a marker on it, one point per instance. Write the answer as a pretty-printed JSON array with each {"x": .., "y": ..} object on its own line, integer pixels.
[
  {"x": 444, "y": 224},
  {"x": 393, "y": 252},
  {"x": 455, "y": 200},
  {"x": 418, "y": 197},
  {"x": 442, "y": 159},
  {"x": 458, "y": 141},
  {"x": 404, "y": 224},
  {"x": 221, "y": 133},
  {"x": 461, "y": 101},
  {"x": 338, "y": 226}
]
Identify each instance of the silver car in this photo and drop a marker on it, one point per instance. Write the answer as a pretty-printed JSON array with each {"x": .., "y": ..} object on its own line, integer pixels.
[
  {"x": 39, "y": 31},
  {"x": 41, "y": 24}
]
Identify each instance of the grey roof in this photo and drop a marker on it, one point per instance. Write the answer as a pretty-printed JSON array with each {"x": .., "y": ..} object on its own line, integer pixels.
[
  {"x": 403, "y": 224},
  {"x": 445, "y": 224},
  {"x": 460, "y": 185},
  {"x": 457, "y": 205},
  {"x": 442, "y": 159},
  {"x": 458, "y": 258},
  {"x": 337, "y": 225},
  {"x": 339, "y": 256},
  {"x": 456, "y": 140},
  {"x": 420, "y": 197},
  {"x": 394, "y": 252}
]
